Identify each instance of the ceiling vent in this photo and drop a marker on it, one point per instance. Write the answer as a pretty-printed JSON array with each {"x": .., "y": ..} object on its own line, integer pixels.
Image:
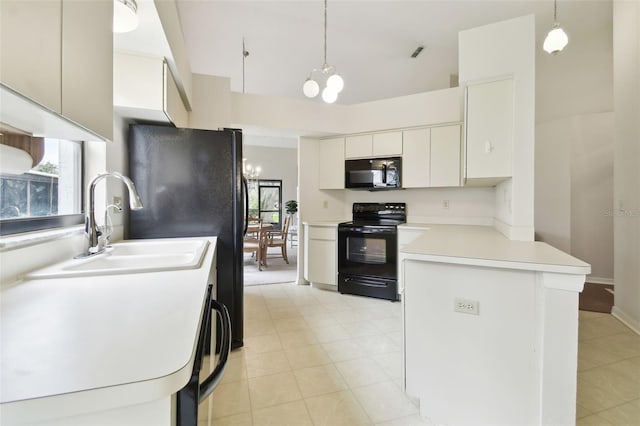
[{"x": 417, "y": 51}]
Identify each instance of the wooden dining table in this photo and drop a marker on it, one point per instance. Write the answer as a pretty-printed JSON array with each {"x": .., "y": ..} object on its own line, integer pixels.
[{"x": 253, "y": 228}]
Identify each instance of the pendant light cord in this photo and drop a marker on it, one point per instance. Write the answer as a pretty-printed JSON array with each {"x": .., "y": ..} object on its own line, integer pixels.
[
  {"x": 325, "y": 34},
  {"x": 555, "y": 7},
  {"x": 244, "y": 56}
]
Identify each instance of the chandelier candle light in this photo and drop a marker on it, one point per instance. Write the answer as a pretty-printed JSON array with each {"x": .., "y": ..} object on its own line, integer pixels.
[
  {"x": 334, "y": 83},
  {"x": 557, "y": 39}
]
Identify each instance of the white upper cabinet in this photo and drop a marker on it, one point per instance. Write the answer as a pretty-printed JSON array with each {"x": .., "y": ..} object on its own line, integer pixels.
[
  {"x": 374, "y": 145},
  {"x": 87, "y": 64},
  {"x": 173, "y": 104},
  {"x": 415, "y": 159},
  {"x": 431, "y": 157},
  {"x": 358, "y": 146},
  {"x": 144, "y": 88},
  {"x": 31, "y": 49},
  {"x": 445, "y": 156},
  {"x": 331, "y": 163},
  {"x": 386, "y": 144},
  {"x": 489, "y": 132},
  {"x": 59, "y": 53}
]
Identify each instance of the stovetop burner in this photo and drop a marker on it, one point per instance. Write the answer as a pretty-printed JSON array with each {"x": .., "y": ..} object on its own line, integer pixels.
[{"x": 378, "y": 214}]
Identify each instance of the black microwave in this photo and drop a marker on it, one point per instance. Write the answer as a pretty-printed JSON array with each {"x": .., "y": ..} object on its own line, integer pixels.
[{"x": 373, "y": 173}]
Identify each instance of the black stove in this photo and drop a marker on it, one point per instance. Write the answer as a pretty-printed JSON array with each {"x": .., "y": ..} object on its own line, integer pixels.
[
  {"x": 372, "y": 214},
  {"x": 367, "y": 250}
]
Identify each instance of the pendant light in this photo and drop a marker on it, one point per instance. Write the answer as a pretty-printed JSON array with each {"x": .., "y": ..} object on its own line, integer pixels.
[
  {"x": 125, "y": 16},
  {"x": 557, "y": 39},
  {"x": 333, "y": 82}
]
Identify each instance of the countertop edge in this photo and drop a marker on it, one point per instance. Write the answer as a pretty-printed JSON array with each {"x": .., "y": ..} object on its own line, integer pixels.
[
  {"x": 500, "y": 264},
  {"x": 115, "y": 396}
]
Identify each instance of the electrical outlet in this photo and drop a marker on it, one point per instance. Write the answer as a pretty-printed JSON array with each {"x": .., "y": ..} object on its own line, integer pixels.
[
  {"x": 466, "y": 306},
  {"x": 445, "y": 204},
  {"x": 117, "y": 201},
  {"x": 325, "y": 204}
]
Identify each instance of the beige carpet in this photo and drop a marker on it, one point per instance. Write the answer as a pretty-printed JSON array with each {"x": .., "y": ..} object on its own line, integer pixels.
[{"x": 277, "y": 270}]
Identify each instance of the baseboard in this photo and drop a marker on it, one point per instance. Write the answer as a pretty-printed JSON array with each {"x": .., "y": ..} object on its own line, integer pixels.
[
  {"x": 599, "y": 280},
  {"x": 626, "y": 319}
]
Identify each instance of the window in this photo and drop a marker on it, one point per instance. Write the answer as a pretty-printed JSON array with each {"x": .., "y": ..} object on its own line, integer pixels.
[
  {"x": 47, "y": 196},
  {"x": 265, "y": 200}
]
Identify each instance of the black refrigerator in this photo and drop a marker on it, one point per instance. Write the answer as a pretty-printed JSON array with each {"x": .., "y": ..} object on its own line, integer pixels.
[{"x": 191, "y": 184}]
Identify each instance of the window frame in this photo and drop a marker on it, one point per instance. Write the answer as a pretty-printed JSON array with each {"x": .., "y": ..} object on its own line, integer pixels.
[{"x": 43, "y": 223}]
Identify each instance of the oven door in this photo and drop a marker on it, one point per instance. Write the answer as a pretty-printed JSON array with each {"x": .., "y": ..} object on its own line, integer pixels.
[{"x": 367, "y": 250}]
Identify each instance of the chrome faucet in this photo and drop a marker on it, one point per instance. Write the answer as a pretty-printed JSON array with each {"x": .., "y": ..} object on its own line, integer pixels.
[{"x": 91, "y": 232}]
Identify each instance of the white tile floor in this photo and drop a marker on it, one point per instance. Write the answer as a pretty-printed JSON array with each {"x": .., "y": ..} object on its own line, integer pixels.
[{"x": 314, "y": 357}]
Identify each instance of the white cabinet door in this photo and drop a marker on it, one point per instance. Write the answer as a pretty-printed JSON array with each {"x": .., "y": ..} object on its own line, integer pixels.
[
  {"x": 173, "y": 105},
  {"x": 359, "y": 146},
  {"x": 415, "y": 158},
  {"x": 445, "y": 156},
  {"x": 87, "y": 64},
  {"x": 331, "y": 164},
  {"x": 385, "y": 144},
  {"x": 321, "y": 254},
  {"x": 322, "y": 262},
  {"x": 489, "y": 131},
  {"x": 30, "y": 49}
]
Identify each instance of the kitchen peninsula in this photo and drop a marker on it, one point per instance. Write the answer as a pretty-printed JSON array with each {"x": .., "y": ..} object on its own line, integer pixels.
[
  {"x": 491, "y": 325},
  {"x": 106, "y": 348}
]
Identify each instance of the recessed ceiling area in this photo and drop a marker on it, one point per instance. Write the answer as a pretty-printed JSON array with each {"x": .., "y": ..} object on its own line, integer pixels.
[{"x": 369, "y": 42}]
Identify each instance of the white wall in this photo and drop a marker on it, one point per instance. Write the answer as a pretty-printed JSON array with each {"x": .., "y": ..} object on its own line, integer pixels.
[
  {"x": 626, "y": 65},
  {"x": 508, "y": 49},
  {"x": 574, "y": 150},
  {"x": 211, "y": 102},
  {"x": 425, "y": 205}
]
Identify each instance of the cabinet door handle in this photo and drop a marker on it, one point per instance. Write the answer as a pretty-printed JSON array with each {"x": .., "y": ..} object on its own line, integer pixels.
[{"x": 214, "y": 378}]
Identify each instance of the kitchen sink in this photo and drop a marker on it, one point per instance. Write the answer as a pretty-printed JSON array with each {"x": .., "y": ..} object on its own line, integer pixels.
[{"x": 133, "y": 256}]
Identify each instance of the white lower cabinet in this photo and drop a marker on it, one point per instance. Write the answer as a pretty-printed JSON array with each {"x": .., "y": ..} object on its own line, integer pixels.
[{"x": 321, "y": 254}]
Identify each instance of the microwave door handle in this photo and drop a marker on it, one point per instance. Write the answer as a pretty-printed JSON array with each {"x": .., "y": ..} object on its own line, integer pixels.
[
  {"x": 384, "y": 173},
  {"x": 214, "y": 378}
]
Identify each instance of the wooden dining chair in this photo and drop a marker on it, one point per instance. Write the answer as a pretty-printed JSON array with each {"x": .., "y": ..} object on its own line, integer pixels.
[
  {"x": 257, "y": 246},
  {"x": 279, "y": 239}
]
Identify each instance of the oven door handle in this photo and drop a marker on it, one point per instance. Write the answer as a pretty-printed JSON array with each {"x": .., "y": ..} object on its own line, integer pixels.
[
  {"x": 214, "y": 378},
  {"x": 368, "y": 282},
  {"x": 366, "y": 231}
]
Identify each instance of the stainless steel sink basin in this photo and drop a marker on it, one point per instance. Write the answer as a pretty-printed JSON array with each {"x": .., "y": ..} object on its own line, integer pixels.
[{"x": 133, "y": 256}]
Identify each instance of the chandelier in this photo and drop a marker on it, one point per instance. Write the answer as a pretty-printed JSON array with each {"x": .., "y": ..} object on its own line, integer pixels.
[
  {"x": 333, "y": 82},
  {"x": 250, "y": 172}
]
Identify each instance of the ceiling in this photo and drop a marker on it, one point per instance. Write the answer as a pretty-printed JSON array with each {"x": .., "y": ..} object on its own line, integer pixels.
[{"x": 369, "y": 42}]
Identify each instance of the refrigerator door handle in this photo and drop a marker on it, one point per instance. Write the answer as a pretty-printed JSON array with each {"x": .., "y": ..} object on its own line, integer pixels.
[{"x": 245, "y": 189}]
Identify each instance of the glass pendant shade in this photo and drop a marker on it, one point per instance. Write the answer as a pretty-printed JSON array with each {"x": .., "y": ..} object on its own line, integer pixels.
[
  {"x": 329, "y": 95},
  {"x": 310, "y": 88},
  {"x": 556, "y": 40},
  {"x": 335, "y": 83},
  {"x": 125, "y": 17}
]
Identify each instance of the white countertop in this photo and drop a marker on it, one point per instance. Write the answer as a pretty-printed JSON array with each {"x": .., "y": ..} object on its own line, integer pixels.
[
  {"x": 124, "y": 338},
  {"x": 326, "y": 223},
  {"x": 484, "y": 246}
]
